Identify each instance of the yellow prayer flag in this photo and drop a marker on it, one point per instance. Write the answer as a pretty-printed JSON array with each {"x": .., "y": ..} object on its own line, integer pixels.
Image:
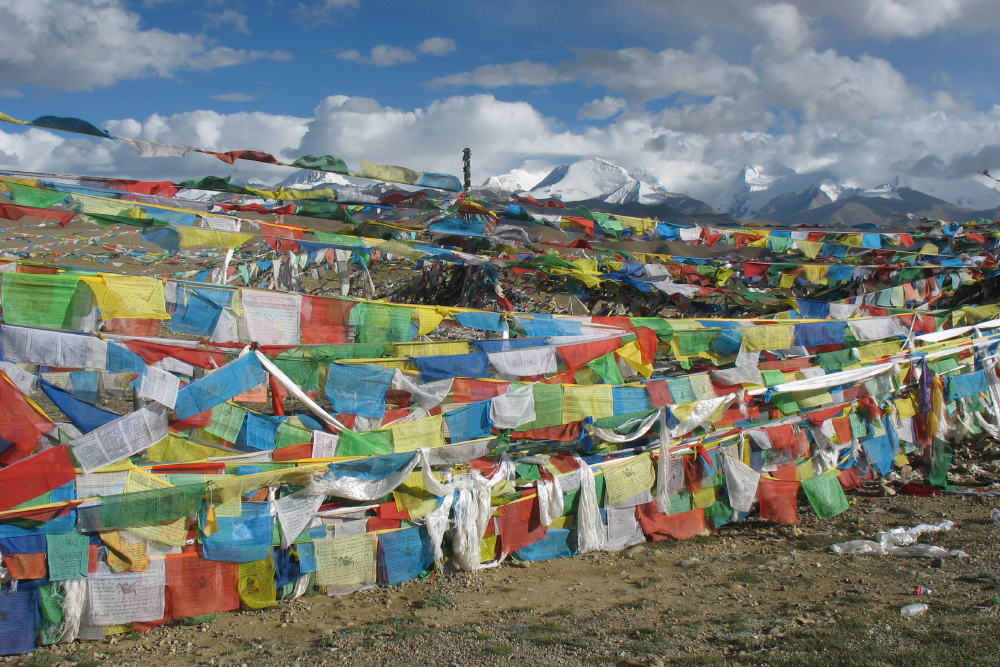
[
  {"x": 428, "y": 320},
  {"x": 810, "y": 249},
  {"x": 195, "y": 237},
  {"x": 256, "y": 583},
  {"x": 632, "y": 354},
  {"x": 628, "y": 479},
  {"x": 769, "y": 337},
  {"x": 128, "y": 296},
  {"x": 595, "y": 401},
  {"x": 813, "y": 273},
  {"x": 905, "y": 407},
  {"x": 703, "y": 497},
  {"x": 411, "y": 436},
  {"x": 6, "y": 118},
  {"x": 387, "y": 172}
]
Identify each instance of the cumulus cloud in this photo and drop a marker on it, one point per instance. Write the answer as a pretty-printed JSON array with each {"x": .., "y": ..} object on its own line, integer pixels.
[
  {"x": 382, "y": 55},
  {"x": 674, "y": 147},
  {"x": 87, "y": 44},
  {"x": 787, "y": 29},
  {"x": 437, "y": 46},
  {"x": 601, "y": 109}
]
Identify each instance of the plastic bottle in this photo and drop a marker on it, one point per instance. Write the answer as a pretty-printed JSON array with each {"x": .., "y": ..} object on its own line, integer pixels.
[
  {"x": 914, "y": 610},
  {"x": 995, "y": 514}
]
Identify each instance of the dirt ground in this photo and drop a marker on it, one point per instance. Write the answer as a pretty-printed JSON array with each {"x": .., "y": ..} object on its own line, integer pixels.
[{"x": 754, "y": 594}]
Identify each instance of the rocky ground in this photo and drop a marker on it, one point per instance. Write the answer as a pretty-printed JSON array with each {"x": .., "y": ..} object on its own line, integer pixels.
[{"x": 753, "y": 594}]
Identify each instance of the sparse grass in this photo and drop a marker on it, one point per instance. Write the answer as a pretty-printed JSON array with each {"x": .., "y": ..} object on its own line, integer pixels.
[
  {"x": 745, "y": 577},
  {"x": 648, "y": 582},
  {"x": 817, "y": 542},
  {"x": 948, "y": 635},
  {"x": 498, "y": 649},
  {"x": 438, "y": 601},
  {"x": 559, "y": 611},
  {"x": 641, "y": 603},
  {"x": 520, "y": 610}
]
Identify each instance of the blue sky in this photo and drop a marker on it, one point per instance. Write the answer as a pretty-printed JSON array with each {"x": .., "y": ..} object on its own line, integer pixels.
[{"x": 689, "y": 90}]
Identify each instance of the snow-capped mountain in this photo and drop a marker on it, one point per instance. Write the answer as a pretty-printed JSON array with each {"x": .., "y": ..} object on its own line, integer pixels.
[
  {"x": 525, "y": 177},
  {"x": 306, "y": 179},
  {"x": 601, "y": 180},
  {"x": 974, "y": 192},
  {"x": 756, "y": 186},
  {"x": 776, "y": 192}
]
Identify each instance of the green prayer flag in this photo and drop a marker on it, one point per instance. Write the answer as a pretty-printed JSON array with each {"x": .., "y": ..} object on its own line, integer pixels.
[
  {"x": 826, "y": 495},
  {"x": 68, "y": 555},
  {"x": 681, "y": 502},
  {"x": 26, "y": 195},
  {"x": 303, "y": 372},
  {"x": 527, "y": 471},
  {"x": 834, "y": 361},
  {"x": 607, "y": 368},
  {"x": 719, "y": 512},
  {"x": 50, "y": 614},
  {"x": 155, "y": 505},
  {"x": 370, "y": 443},
  {"x": 548, "y": 406},
  {"x": 941, "y": 455},
  {"x": 37, "y": 300},
  {"x": 105, "y": 220},
  {"x": 694, "y": 342},
  {"x": 214, "y": 183},
  {"x": 289, "y": 435},
  {"x": 322, "y": 163},
  {"x": 382, "y": 323}
]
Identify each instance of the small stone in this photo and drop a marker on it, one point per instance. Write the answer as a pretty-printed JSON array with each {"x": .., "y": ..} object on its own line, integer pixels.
[
  {"x": 634, "y": 550},
  {"x": 523, "y": 564},
  {"x": 283, "y": 625}
]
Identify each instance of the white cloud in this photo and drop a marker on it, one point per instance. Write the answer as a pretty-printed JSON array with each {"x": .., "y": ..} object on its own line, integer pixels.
[
  {"x": 883, "y": 19},
  {"x": 324, "y": 12},
  {"x": 437, "y": 46},
  {"x": 601, "y": 109},
  {"x": 87, "y": 44},
  {"x": 233, "y": 97},
  {"x": 231, "y": 17},
  {"x": 695, "y": 149},
  {"x": 523, "y": 73},
  {"x": 641, "y": 73},
  {"x": 382, "y": 55},
  {"x": 788, "y": 30}
]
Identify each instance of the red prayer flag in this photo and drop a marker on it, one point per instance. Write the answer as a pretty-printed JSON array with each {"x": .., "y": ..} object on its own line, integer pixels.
[
  {"x": 35, "y": 475},
  {"x": 659, "y": 526},
  {"x": 325, "y": 320},
  {"x": 778, "y": 500},
  {"x": 153, "y": 352},
  {"x": 520, "y": 525},
  {"x": 470, "y": 390},
  {"x": 12, "y": 212},
  {"x": 575, "y": 356},
  {"x": 199, "y": 586}
]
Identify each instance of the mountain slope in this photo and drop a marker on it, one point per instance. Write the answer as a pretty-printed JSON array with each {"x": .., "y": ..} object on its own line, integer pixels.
[{"x": 758, "y": 185}]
